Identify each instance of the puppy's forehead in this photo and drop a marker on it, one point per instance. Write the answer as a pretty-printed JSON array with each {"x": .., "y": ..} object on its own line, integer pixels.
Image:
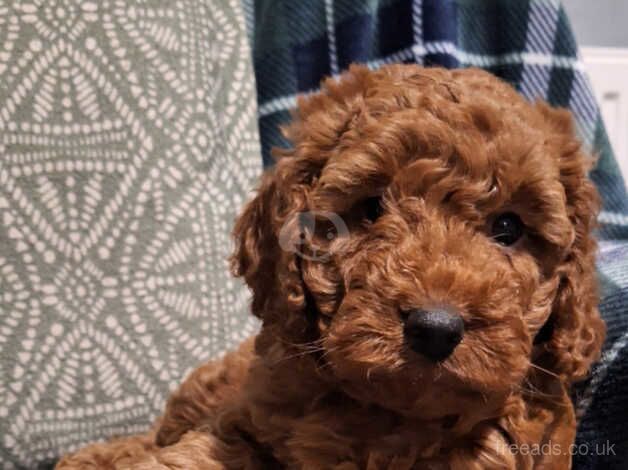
[{"x": 414, "y": 129}]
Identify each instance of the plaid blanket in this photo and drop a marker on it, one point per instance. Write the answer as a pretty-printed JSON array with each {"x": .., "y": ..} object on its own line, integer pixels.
[{"x": 530, "y": 44}]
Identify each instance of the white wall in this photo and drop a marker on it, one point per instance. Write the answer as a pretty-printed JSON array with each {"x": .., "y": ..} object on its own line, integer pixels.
[
  {"x": 600, "y": 23},
  {"x": 608, "y": 72},
  {"x": 601, "y": 32}
]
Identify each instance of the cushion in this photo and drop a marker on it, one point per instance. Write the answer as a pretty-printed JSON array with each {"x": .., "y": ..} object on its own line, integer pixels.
[{"x": 128, "y": 142}]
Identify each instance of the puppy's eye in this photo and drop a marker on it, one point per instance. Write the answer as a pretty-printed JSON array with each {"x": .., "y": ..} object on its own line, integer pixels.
[
  {"x": 507, "y": 228},
  {"x": 373, "y": 208}
]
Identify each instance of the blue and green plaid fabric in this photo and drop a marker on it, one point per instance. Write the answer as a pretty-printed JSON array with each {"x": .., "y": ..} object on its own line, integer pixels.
[{"x": 528, "y": 43}]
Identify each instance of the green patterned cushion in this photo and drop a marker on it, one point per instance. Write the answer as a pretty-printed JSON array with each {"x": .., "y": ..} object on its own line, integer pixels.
[{"x": 128, "y": 141}]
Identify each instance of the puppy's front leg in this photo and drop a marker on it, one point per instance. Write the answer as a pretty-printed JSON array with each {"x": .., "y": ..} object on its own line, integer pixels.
[
  {"x": 194, "y": 451},
  {"x": 556, "y": 450},
  {"x": 204, "y": 393},
  {"x": 535, "y": 434},
  {"x": 109, "y": 455},
  {"x": 542, "y": 426}
]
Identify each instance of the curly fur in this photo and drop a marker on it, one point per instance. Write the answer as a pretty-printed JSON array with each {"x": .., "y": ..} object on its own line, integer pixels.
[{"x": 329, "y": 382}]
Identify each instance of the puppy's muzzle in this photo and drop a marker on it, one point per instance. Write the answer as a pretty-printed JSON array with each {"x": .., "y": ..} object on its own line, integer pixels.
[{"x": 433, "y": 333}]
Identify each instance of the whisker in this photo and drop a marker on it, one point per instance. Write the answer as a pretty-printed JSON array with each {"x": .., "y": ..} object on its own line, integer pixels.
[
  {"x": 548, "y": 372},
  {"x": 314, "y": 343}
]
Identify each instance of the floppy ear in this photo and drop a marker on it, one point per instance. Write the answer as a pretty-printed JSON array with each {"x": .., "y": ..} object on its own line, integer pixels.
[
  {"x": 270, "y": 271},
  {"x": 578, "y": 331},
  {"x": 267, "y": 234}
]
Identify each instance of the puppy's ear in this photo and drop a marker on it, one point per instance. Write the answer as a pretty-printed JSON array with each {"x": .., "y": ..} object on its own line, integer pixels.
[
  {"x": 254, "y": 236},
  {"x": 268, "y": 233},
  {"x": 268, "y": 266},
  {"x": 578, "y": 330}
]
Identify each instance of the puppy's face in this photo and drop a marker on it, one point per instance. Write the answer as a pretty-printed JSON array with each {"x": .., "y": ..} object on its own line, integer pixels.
[{"x": 447, "y": 248}]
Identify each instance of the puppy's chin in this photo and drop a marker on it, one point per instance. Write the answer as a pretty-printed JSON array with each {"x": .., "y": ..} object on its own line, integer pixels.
[
  {"x": 425, "y": 398},
  {"x": 420, "y": 391}
]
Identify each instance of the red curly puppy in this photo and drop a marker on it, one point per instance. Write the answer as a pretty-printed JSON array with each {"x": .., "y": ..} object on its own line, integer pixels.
[{"x": 423, "y": 264}]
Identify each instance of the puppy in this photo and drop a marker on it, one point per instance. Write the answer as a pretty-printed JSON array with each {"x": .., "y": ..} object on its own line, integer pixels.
[{"x": 423, "y": 265}]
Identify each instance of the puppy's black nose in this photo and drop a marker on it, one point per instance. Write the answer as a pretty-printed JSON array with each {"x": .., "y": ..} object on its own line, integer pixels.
[{"x": 433, "y": 333}]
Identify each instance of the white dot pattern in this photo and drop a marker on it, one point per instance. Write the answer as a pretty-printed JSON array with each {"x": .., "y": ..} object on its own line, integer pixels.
[{"x": 128, "y": 142}]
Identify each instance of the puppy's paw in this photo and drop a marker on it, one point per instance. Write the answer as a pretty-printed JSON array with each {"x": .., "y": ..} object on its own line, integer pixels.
[{"x": 112, "y": 455}]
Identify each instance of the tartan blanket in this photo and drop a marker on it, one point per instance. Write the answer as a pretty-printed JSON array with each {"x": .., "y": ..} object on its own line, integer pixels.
[{"x": 528, "y": 43}]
